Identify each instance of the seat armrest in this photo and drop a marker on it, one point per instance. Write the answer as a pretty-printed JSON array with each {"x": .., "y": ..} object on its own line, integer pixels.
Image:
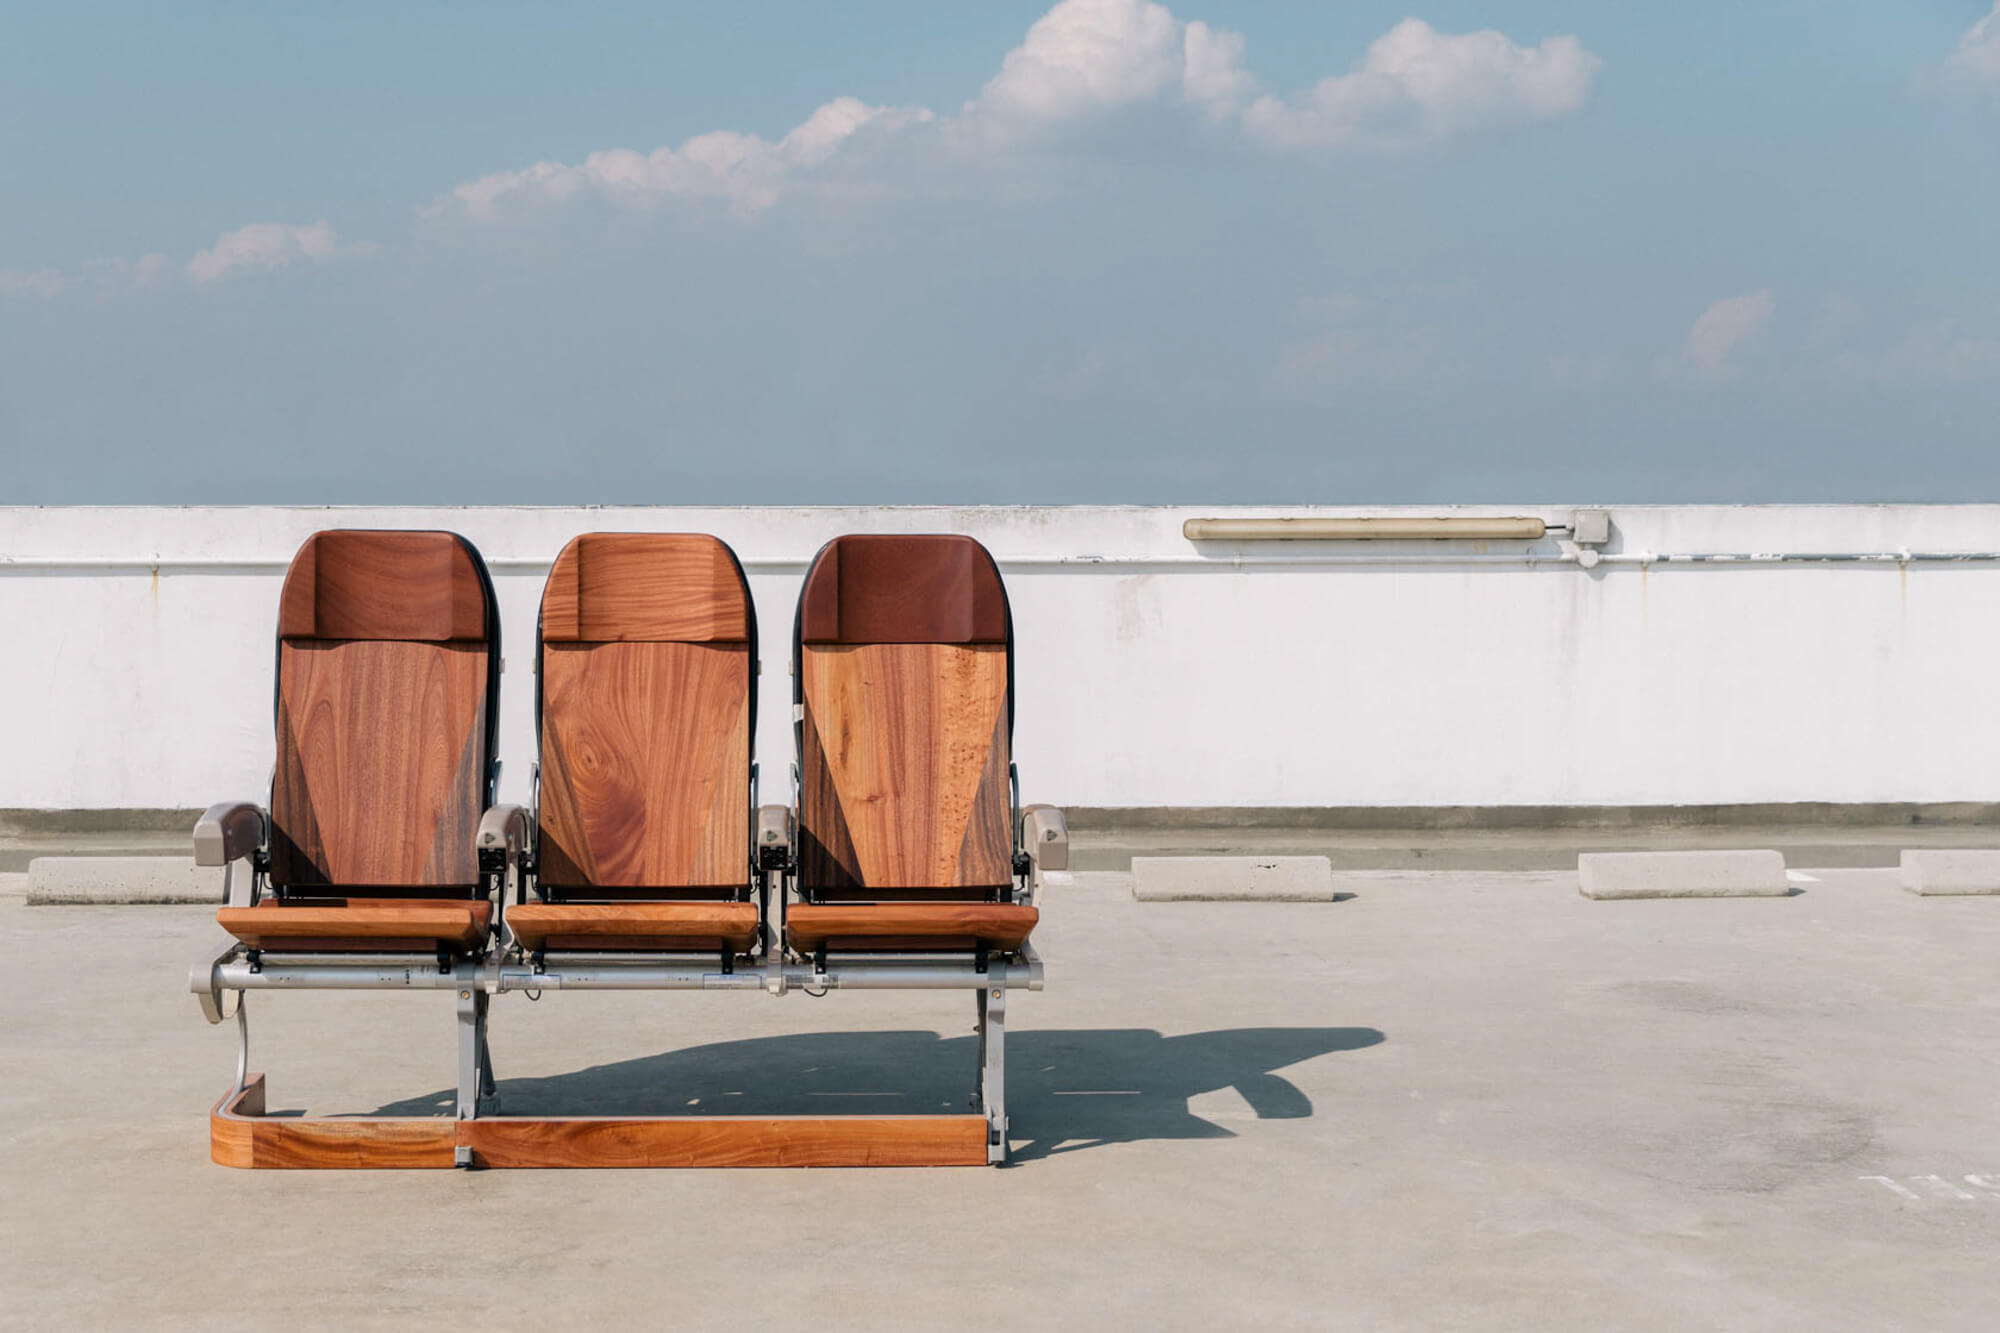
[
  {"x": 501, "y": 845},
  {"x": 504, "y": 828},
  {"x": 229, "y": 832},
  {"x": 774, "y": 837},
  {"x": 1045, "y": 837},
  {"x": 775, "y": 830}
]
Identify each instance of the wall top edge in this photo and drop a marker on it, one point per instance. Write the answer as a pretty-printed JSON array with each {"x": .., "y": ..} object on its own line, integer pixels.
[
  {"x": 1529, "y": 507},
  {"x": 778, "y": 537}
]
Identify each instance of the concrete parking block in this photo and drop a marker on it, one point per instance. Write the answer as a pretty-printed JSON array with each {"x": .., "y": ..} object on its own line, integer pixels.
[
  {"x": 1269, "y": 879},
  {"x": 1725, "y": 874},
  {"x": 1959, "y": 871},
  {"x": 119, "y": 880}
]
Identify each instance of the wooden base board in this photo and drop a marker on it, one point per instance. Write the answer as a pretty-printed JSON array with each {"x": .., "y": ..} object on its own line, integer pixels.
[{"x": 241, "y": 1135}]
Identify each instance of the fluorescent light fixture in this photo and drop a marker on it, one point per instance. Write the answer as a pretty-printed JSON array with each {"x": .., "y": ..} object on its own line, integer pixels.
[{"x": 1456, "y": 527}]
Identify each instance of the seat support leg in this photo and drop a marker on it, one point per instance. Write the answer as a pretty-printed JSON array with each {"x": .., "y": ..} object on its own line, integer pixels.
[
  {"x": 487, "y": 1084},
  {"x": 474, "y": 1070},
  {"x": 993, "y": 1069},
  {"x": 242, "y": 1042}
]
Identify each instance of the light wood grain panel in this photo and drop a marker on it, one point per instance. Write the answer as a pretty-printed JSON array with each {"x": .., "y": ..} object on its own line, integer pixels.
[
  {"x": 904, "y": 737},
  {"x": 240, "y": 1136},
  {"x": 645, "y": 586},
  {"x": 645, "y": 765},
  {"x": 381, "y": 763},
  {"x": 1000, "y": 926},
  {"x": 462, "y": 923},
  {"x": 689, "y": 1141},
  {"x": 655, "y": 925}
]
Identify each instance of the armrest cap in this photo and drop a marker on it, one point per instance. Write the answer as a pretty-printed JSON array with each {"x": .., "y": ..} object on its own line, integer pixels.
[
  {"x": 229, "y": 832},
  {"x": 504, "y": 827},
  {"x": 774, "y": 826},
  {"x": 1045, "y": 836}
]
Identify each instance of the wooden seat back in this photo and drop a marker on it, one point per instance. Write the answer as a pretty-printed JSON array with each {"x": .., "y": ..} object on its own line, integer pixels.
[
  {"x": 902, "y": 672},
  {"x": 646, "y": 704},
  {"x": 387, "y": 681}
]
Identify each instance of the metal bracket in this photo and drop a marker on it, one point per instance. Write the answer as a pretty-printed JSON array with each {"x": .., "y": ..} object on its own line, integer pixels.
[
  {"x": 475, "y": 1060},
  {"x": 993, "y": 1070},
  {"x": 242, "y": 1042},
  {"x": 203, "y": 982}
]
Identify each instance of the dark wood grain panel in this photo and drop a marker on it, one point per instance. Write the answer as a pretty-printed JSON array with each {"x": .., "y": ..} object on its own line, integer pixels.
[
  {"x": 1001, "y": 926},
  {"x": 827, "y": 863},
  {"x": 690, "y": 1141},
  {"x": 645, "y": 765},
  {"x": 381, "y": 766},
  {"x": 903, "y": 740},
  {"x": 988, "y": 841},
  {"x": 364, "y": 584},
  {"x": 903, "y": 588},
  {"x": 645, "y": 586},
  {"x": 635, "y": 925}
]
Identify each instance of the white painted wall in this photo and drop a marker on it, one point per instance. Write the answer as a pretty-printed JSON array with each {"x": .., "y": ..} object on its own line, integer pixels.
[{"x": 1149, "y": 672}]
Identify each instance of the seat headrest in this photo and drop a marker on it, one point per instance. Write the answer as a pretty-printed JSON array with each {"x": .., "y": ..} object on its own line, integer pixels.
[
  {"x": 645, "y": 587},
  {"x": 426, "y": 587},
  {"x": 897, "y": 589}
]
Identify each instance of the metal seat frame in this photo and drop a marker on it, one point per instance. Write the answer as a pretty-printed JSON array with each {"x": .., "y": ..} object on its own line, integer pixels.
[{"x": 234, "y": 836}]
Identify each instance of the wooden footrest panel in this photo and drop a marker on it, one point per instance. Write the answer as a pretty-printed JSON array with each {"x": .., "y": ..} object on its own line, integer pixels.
[
  {"x": 675, "y": 1141},
  {"x": 241, "y": 1136}
]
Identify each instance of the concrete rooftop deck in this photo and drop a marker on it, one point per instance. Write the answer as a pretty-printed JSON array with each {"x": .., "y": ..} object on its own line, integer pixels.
[{"x": 1467, "y": 1101}]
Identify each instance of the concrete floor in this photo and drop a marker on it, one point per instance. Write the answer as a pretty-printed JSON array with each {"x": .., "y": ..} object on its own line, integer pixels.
[
  {"x": 1456, "y": 1101},
  {"x": 1368, "y": 849}
]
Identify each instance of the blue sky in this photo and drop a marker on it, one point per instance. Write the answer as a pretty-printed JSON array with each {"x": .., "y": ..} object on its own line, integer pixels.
[{"x": 1221, "y": 251}]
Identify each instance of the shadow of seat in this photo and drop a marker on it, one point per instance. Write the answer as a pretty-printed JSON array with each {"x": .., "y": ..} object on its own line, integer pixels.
[{"x": 1066, "y": 1089}]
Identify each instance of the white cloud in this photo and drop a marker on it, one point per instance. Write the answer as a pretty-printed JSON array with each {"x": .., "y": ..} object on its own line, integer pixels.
[
  {"x": 1976, "y": 58},
  {"x": 145, "y": 271},
  {"x": 1418, "y": 86},
  {"x": 748, "y": 171},
  {"x": 1723, "y": 329},
  {"x": 1214, "y": 75},
  {"x": 262, "y": 246},
  {"x": 1083, "y": 55},
  {"x": 41, "y": 284},
  {"x": 1934, "y": 352},
  {"x": 98, "y": 277},
  {"x": 1415, "y": 87}
]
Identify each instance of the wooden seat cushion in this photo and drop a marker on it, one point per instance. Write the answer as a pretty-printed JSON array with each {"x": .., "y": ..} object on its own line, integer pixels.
[
  {"x": 675, "y": 925},
  {"x": 345, "y": 922},
  {"x": 999, "y": 926}
]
